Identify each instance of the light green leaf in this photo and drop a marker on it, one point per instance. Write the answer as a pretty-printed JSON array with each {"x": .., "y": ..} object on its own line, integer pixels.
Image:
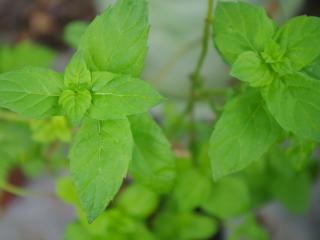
[
  {"x": 300, "y": 38},
  {"x": 15, "y": 57},
  {"x": 73, "y": 32},
  {"x": 191, "y": 190},
  {"x": 50, "y": 130},
  {"x": 228, "y": 198},
  {"x": 101, "y": 79},
  {"x": 274, "y": 56},
  {"x": 77, "y": 76},
  {"x": 99, "y": 161},
  {"x": 31, "y": 91},
  {"x": 113, "y": 224},
  {"x": 75, "y": 104},
  {"x": 116, "y": 41},
  {"x": 250, "y": 68},
  {"x": 242, "y": 135},
  {"x": 121, "y": 97},
  {"x": 153, "y": 163},
  {"x": 66, "y": 191},
  {"x": 76, "y": 231},
  {"x": 138, "y": 201},
  {"x": 239, "y": 27},
  {"x": 294, "y": 101}
]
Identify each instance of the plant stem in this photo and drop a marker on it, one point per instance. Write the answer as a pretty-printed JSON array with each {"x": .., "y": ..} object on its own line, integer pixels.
[
  {"x": 7, "y": 187},
  {"x": 196, "y": 82},
  {"x": 195, "y": 76}
]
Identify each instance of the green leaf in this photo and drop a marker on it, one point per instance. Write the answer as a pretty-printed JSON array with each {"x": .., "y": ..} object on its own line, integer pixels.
[
  {"x": 19, "y": 56},
  {"x": 32, "y": 92},
  {"x": 250, "y": 68},
  {"x": 73, "y": 32},
  {"x": 257, "y": 177},
  {"x": 184, "y": 226},
  {"x": 294, "y": 192},
  {"x": 76, "y": 231},
  {"x": 77, "y": 75},
  {"x": 228, "y": 198},
  {"x": 294, "y": 102},
  {"x": 274, "y": 56},
  {"x": 239, "y": 27},
  {"x": 153, "y": 163},
  {"x": 66, "y": 191},
  {"x": 191, "y": 190},
  {"x": 313, "y": 70},
  {"x": 249, "y": 229},
  {"x": 116, "y": 41},
  {"x": 50, "y": 130},
  {"x": 138, "y": 201},
  {"x": 300, "y": 153},
  {"x": 300, "y": 38},
  {"x": 75, "y": 104},
  {"x": 122, "y": 96},
  {"x": 16, "y": 147},
  {"x": 15, "y": 139},
  {"x": 99, "y": 161},
  {"x": 242, "y": 135},
  {"x": 115, "y": 225}
]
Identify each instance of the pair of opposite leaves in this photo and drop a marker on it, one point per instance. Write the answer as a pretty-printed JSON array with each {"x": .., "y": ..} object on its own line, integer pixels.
[
  {"x": 280, "y": 64},
  {"x": 100, "y": 89}
]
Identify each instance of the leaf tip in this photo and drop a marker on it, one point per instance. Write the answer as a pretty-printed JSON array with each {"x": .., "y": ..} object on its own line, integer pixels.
[{"x": 91, "y": 218}]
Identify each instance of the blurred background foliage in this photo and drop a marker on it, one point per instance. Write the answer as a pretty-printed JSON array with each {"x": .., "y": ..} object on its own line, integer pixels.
[{"x": 44, "y": 33}]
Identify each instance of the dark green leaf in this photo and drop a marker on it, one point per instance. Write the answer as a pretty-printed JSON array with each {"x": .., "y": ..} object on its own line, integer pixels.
[{"x": 184, "y": 226}]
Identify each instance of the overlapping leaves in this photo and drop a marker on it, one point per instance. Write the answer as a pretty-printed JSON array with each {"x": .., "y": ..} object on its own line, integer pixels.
[
  {"x": 280, "y": 63},
  {"x": 99, "y": 90}
]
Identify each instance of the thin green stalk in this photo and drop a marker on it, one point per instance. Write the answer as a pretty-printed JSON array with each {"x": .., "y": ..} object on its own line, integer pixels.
[
  {"x": 196, "y": 82},
  {"x": 7, "y": 187},
  {"x": 195, "y": 76}
]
